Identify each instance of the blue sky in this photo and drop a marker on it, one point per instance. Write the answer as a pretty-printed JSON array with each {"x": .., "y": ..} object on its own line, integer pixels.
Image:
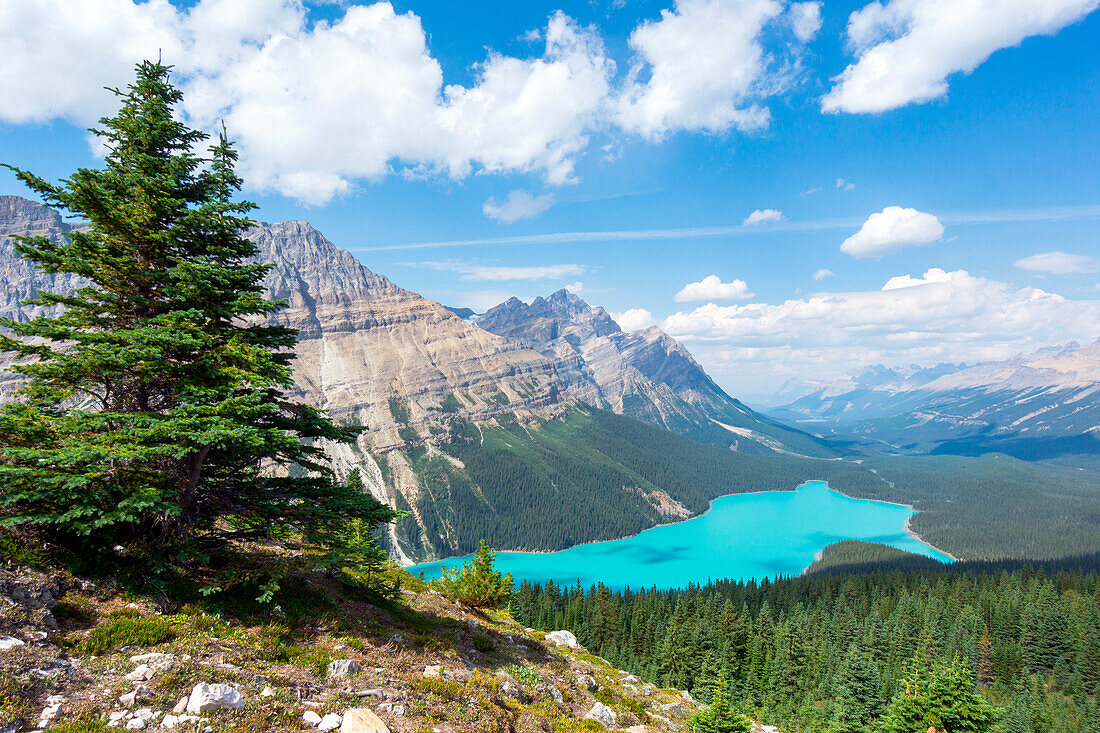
[{"x": 957, "y": 159}]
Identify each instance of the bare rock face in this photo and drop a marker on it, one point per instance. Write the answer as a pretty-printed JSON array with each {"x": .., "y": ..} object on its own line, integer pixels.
[
  {"x": 363, "y": 342},
  {"x": 646, "y": 374}
]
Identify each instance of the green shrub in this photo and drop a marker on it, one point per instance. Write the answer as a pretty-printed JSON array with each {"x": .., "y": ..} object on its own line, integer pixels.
[
  {"x": 477, "y": 584},
  {"x": 115, "y": 633},
  {"x": 484, "y": 643}
]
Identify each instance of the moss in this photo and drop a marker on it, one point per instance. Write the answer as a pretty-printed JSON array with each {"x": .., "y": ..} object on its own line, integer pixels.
[
  {"x": 115, "y": 633},
  {"x": 83, "y": 724}
]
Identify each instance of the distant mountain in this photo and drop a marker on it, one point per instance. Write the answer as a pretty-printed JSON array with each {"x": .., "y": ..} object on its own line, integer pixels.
[
  {"x": 463, "y": 313},
  {"x": 1039, "y": 405},
  {"x": 482, "y": 434},
  {"x": 647, "y": 374}
]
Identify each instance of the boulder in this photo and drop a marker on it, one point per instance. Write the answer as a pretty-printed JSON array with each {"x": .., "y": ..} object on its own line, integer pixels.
[
  {"x": 603, "y": 715},
  {"x": 586, "y": 681},
  {"x": 673, "y": 708},
  {"x": 205, "y": 698},
  {"x": 181, "y": 706},
  {"x": 142, "y": 673},
  {"x": 342, "y": 668},
  {"x": 563, "y": 638},
  {"x": 311, "y": 718},
  {"x": 267, "y": 692},
  {"x": 332, "y": 721},
  {"x": 434, "y": 670},
  {"x": 362, "y": 720}
]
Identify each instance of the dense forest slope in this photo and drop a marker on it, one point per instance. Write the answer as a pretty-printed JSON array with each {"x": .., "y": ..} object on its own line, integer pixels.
[{"x": 829, "y": 651}]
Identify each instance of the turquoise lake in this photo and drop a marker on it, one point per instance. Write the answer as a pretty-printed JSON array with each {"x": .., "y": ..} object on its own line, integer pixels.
[{"x": 742, "y": 536}]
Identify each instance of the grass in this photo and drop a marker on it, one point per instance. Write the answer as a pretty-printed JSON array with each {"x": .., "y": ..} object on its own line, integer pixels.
[{"x": 120, "y": 631}]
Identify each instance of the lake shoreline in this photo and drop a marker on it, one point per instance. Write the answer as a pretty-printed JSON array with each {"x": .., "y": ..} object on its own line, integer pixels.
[{"x": 710, "y": 506}]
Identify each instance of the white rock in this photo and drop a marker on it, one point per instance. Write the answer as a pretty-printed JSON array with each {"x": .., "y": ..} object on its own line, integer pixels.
[
  {"x": 142, "y": 673},
  {"x": 362, "y": 720},
  {"x": 563, "y": 638},
  {"x": 603, "y": 715},
  {"x": 267, "y": 692},
  {"x": 674, "y": 708},
  {"x": 331, "y": 721},
  {"x": 342, "y": 668},
  {"x": 136, "y": 724},
  {"x": 9, "y": 642},
  {"x": 127, "y": 699},
  {"x": 181, "y": 706},
  {"x": 205, "y": 698},
  {"x": 116, "y": 715},
  {"x": 433, "y": 671},
  {"x": 169, "y": 721},
  {"x": 51, "y": 712},
  {"x": 311, "y": 718}
]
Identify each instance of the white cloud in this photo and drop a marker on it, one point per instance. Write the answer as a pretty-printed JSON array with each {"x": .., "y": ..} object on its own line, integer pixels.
[
  {"x": 891, "y": 230},
  {"x": 822, "y": 274},
  {"x": 845, "y": 185},
  {"x": 763, "y": 216},
  {"x": 1059, "y": 263},
  {"x": 706, "y": 67},
  {"x": 939, "y": 316},
  {"x": 499, "y": 273},
  {"x": 805, "y": 20},
  {"x": 517, "y": 205},
  {"x": 634, "y": 319},
  {"x": 906, "y": 49},
  {"x": 576, "y": 288},
  {"x": 313, "y": 107},
  {"x": 712, "y": 288}
]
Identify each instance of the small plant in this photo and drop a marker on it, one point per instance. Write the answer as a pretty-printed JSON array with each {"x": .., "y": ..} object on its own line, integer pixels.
[
  {"x": 115, "y": 633},
  {"x": 528, "y": 677},
  {"x": 83, "y": 724},
  {"x": 477, "y": 584},
  {"x": 449, "y": 403}
]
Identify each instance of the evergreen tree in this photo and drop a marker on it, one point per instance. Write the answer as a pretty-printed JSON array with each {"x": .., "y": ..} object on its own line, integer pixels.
[
  {"x": 477, "y": 583},
  {"x": 720, "y": 716},
  {"x": 153, "y": 416},
  {"x": 857, "y": 694}
]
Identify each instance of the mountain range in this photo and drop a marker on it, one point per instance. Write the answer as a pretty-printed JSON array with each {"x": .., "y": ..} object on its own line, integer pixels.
[
  {"x": 540, "y": 384},
  {"x": 1033, "y": 406}
]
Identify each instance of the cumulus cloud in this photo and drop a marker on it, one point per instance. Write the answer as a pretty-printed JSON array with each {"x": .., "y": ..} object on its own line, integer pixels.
[
  {"x": 763, "y": 216},
  {"x": 634, "y": 319},
  {"x": 937, "y": 316},
  {"x": 906, "y": 49},
  {"x": 317, "y": 106},
  {"x": 892, "y": 229},
  {"x": 702, "y": 66},
  {"x": 712, "y": 288},
  {"x": 517, "y": 205},
  {"x": 822, "y": 274},
  {"x": 314, "y": 107},
  {"x": 805, "y": 20},
  {"x": 497, "y": 273},
  {"x": 1059, "y": 263}
]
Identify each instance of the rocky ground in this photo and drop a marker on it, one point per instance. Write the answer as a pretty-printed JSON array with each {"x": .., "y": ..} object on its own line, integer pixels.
[{"x": 78, "y": 656}]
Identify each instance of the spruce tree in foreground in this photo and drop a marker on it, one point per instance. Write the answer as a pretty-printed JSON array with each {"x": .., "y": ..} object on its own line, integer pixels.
[{"x": 153, "y": 417}]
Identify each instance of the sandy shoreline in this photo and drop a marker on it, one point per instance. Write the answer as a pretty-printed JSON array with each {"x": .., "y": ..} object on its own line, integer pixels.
[{"x": 710, "y": 506}]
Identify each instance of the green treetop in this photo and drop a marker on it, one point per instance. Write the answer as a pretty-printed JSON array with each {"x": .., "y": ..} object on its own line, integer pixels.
[{"x": 153, "y": 416}]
